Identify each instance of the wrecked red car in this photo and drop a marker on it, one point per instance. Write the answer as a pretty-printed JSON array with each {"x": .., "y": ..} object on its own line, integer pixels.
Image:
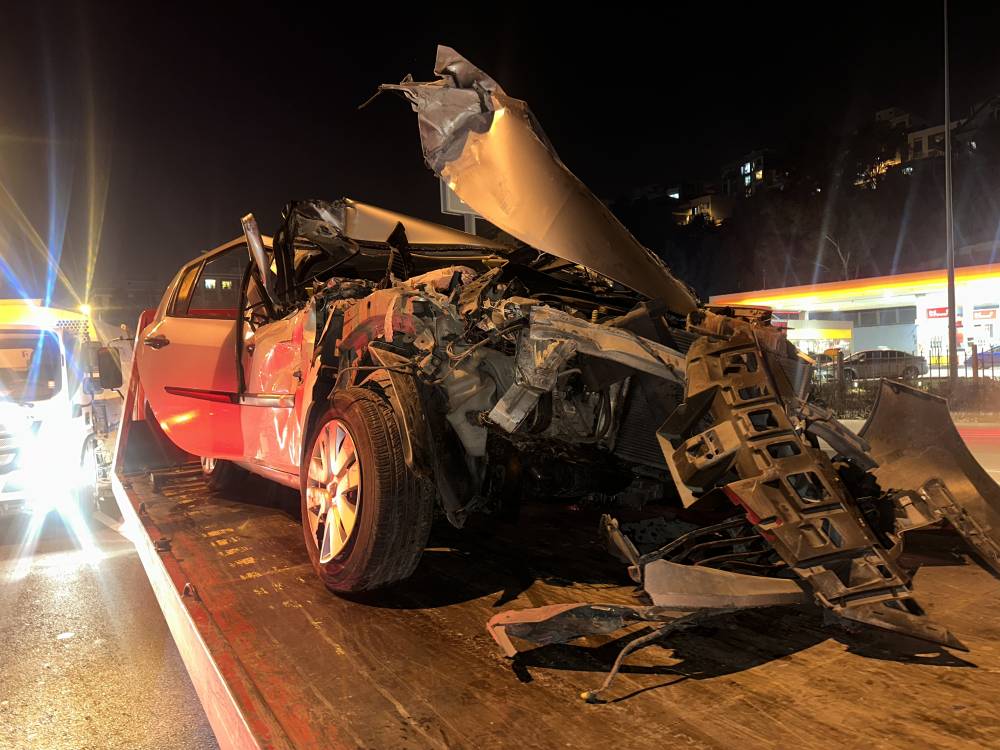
[{"x": 389, "y": 369}]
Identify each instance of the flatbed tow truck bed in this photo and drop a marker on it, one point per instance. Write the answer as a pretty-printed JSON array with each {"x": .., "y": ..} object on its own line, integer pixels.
[{"x": 279, "y": 662}]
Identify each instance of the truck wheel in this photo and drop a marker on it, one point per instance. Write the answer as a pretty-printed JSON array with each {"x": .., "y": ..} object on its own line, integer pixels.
[
  {"x": 911, "y": 373},
  {"x": 364, "y": 517},
  {"x": 850, "y": 375},
  {"x": 88, "y": 494},
  {"x": 221, "y": 475}
]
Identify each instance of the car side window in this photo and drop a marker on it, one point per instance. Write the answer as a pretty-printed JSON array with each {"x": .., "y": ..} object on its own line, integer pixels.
[
  {"x": 168, "y": 294},
  {"x": 215, "y": 289},
  {"x": 184, "y": 287}
]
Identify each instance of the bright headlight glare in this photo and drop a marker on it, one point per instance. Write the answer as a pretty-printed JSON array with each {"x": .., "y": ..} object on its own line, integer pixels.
[{"x": 49, "y": 464}]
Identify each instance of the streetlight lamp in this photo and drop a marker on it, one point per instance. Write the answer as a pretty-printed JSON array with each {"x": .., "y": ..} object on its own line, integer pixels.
[{"x": 949, "y": 222}]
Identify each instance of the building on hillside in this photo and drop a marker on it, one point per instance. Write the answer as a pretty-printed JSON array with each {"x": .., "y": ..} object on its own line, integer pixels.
[
  {"x": 710, "y": 207},
  {"x": 984, "y": 115},
  {"x": 895, "y": 117},
  {"x": 927, "y": 143},
  {"x": 756, "y": 171}
]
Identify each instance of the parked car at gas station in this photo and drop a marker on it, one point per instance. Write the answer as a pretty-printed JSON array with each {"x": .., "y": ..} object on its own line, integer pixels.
[
  {"x": 884, "y": 363},
  {"x": 989, "y": 358}
]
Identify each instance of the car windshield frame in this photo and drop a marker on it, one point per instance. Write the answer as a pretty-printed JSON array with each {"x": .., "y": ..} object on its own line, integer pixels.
[{"x": 41, "y": 376}]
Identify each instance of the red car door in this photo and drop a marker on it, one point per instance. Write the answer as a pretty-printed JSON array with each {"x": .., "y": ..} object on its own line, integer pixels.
[{"x": 187, "y": 356}]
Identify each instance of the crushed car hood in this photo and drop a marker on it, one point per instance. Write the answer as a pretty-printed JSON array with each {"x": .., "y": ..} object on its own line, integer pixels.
[{"x": 489, "y": 149}]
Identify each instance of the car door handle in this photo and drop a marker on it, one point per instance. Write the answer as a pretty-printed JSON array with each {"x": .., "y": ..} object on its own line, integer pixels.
[{"x": 156, "y": 342}]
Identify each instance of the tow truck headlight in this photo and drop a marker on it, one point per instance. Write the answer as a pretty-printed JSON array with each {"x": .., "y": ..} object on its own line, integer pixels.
[{"x": 49, "y": 464}]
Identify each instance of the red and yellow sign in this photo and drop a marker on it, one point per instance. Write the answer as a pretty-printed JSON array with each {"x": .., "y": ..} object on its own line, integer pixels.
[{"x": 808, "y": 296}]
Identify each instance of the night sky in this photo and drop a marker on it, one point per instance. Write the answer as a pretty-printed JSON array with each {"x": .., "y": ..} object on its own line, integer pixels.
[{"x": 193, "y": 115}]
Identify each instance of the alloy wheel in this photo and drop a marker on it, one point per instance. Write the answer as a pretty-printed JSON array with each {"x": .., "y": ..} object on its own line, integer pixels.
[{"x": 333, "y": 490}]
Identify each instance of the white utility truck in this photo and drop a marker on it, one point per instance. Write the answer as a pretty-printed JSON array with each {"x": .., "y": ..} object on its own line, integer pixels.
[{"x": 52, "y": 420}]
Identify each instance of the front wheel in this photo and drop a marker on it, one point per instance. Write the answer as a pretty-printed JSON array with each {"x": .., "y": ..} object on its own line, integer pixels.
[
  {"x": 911, "y": 373},
  {"x": 364, "y": 517}
]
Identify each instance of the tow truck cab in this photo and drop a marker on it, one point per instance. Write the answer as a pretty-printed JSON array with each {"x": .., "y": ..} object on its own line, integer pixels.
[{"x": 48, "y": 436}]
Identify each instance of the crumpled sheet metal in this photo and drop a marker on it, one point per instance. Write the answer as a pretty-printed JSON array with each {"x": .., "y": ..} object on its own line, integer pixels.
[
  {"x": 560, "y": 623},
  {"x": 676, "y": 591},
  {"x": 917, "y": 447},
  {"x": 691, "y": 587},
  {"x": 328, "y": 223},
  {"x": 491, "y": 151}
]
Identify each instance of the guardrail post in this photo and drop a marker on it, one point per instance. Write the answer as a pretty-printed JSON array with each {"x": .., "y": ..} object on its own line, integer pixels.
[{"x": 975, "y": 362}]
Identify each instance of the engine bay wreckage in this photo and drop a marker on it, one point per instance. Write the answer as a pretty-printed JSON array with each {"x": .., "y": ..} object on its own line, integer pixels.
[{"x": 573, "y": 364}]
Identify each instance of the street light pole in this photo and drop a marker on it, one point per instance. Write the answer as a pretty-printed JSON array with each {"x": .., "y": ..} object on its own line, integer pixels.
[{"x": 949, "y": 222}]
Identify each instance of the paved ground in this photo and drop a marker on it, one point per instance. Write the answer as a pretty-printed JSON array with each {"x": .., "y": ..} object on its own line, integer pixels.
[{"x": 86, "y": 660}]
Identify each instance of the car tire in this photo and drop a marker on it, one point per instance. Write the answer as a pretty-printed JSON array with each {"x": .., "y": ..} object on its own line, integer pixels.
[
  {"x": 850, "y": 375},
  {"x": 221, "y": 475},
  {"x": 911, "y": 373},
  {"x": 372, "y": 531}
]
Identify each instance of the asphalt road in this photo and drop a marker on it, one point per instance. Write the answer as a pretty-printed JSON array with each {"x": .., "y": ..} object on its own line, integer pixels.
[{"x": 86, "y": 660}]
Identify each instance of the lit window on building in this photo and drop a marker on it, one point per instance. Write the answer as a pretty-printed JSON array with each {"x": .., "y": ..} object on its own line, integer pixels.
[
  {"x": 746, "y": 169},
  {"x": 675, "y": 195},
  {"x": 758, "y": 175},
  {"x": 226, "y": 284},
  {"x": 746, "y": 180},
  {"x": 210, "y": 283}
]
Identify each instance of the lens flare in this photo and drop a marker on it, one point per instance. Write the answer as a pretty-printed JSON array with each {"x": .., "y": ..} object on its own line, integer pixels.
[{"x": 11, "y": 207}]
